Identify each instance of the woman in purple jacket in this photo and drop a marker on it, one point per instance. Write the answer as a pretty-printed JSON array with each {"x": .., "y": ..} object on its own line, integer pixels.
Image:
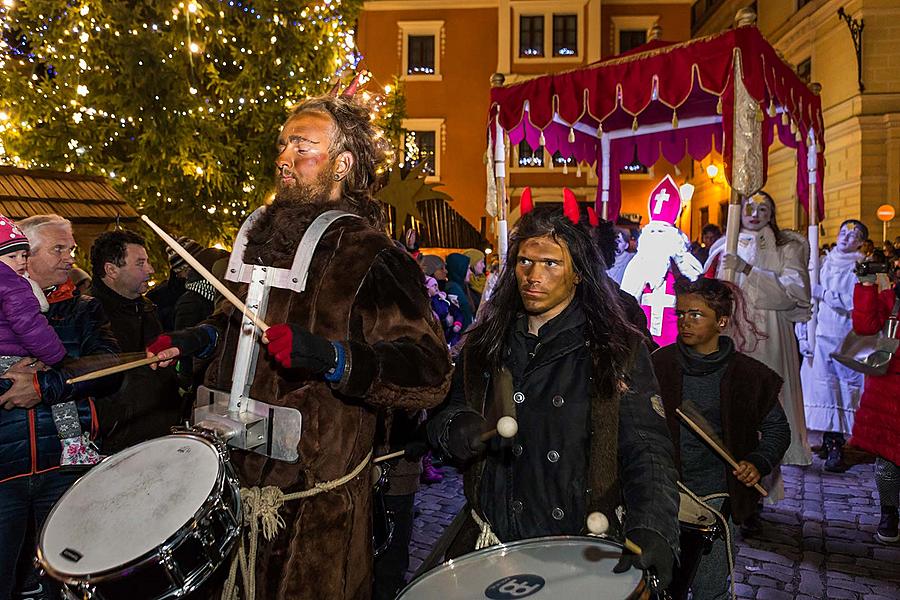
[{"x": 25, "y": 332}]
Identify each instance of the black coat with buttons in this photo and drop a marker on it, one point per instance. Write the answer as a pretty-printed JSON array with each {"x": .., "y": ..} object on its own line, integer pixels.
[{"x": 575, "y": 452}]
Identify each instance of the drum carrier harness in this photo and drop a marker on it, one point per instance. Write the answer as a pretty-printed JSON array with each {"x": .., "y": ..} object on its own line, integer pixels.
[{"x": 250, "y": 424}]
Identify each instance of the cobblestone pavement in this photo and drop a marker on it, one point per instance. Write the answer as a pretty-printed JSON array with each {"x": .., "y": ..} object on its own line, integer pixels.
[{"x": 816, "y": 543}]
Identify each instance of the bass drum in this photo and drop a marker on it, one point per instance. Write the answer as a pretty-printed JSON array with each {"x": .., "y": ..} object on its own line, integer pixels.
[
  {"x": 152, "y": 522},
  {"x": 554, "y": 568}
]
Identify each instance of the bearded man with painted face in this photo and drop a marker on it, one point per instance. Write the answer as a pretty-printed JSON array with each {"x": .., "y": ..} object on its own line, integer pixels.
[
  {"x": 771, "y": 269},
  {"x": 358, "y": 340},
  {"x": 556, "y": 351}
]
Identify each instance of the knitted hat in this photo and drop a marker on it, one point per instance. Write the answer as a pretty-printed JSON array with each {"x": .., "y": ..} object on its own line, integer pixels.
[
  {"x": 175, "y": 260},
  {"x": 207, "y": 258},
  {"x": 11, "y": 237}
]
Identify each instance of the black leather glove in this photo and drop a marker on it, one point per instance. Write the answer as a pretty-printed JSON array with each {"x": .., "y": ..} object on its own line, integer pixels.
[
  {"x": 190, "y": 341},
  {"x": 296, "y": 348},
  {"x": 656, "y": 556},
  {"x": 464, "y": 436}
]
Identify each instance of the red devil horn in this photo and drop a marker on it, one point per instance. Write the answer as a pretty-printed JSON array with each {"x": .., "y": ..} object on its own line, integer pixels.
[
  {"x": 335, "y": 89},
  {"x": 525, "y": 204},
  {"x": 570, "y": 206},
  {"x": 351, "y": 89},
  {"x": 592, "y": 217}
]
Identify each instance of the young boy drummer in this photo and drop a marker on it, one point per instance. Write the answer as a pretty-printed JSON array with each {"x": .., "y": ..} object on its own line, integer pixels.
[{"x": 735, "y": 396}]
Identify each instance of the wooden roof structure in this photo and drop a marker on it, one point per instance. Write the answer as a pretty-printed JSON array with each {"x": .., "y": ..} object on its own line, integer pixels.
[{"x": 78, "y": 198}]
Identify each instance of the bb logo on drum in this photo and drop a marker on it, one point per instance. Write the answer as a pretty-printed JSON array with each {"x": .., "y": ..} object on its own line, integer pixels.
[{"x": 515, "y": 586}]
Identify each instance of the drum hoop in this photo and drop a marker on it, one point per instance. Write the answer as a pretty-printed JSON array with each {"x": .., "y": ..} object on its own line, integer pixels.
[
  {"x": 225, "y": 473},
  {"x": 638, "y": 593}
]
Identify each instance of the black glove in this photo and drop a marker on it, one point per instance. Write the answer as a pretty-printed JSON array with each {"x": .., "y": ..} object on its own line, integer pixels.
[
  {"x": 417, "y": 445},
  {"x": 464, "y": 436},
  {"x": 190, "y": 341},
  {"x": 296, "y": 348},
  {"x": 656, "y": 556}
]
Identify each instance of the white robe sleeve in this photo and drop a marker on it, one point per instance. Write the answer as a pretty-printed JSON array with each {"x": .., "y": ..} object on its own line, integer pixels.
[
  {"x": 785, "y": 291},
  {"x": 841, "y": 299}
]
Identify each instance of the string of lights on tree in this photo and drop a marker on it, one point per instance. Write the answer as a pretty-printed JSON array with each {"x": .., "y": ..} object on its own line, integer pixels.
[{"x": 177, "y": 102}]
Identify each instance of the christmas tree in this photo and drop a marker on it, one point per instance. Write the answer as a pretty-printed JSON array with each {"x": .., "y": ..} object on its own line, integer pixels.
[{"x": 178, "y": 102}]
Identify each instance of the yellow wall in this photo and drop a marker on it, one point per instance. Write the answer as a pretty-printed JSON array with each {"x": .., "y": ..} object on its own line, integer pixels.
[
  {"x": 862, "y": 131},
  {"x": 461, "y": 98},
  {"x": 471, "y": 54}
]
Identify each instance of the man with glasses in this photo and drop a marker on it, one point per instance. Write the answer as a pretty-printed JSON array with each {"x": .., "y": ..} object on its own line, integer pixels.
[{"x": 30, "y": 478}]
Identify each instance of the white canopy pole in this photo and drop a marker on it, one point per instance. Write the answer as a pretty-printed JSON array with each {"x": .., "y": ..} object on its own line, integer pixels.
[
  {"x": 812, "y": 164},
  {"x": 604, "y": 176},
  {"x": 500, "y": 174}
]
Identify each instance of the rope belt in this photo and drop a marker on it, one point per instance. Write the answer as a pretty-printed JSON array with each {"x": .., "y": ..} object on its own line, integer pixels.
[
  {"x": 486, "y": 537},
  {"x": 261, "y": 506}
]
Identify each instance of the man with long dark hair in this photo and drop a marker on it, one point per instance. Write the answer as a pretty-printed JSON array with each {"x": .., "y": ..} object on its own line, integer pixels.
[
  {"x": 359, "y": 339},
  {"x": 556, "y": 351}
]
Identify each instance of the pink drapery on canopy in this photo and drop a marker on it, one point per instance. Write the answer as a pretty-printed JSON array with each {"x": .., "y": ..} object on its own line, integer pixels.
[{"x": 666, "y": 83}]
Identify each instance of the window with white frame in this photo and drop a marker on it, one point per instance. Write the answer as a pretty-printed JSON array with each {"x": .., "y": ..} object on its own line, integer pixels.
[
  {"x": 630, "y": 39},
  {"x": 421, "y": 46},
  {"x": 531, "y": 36},
  {"x": 565, "y": 35},
  {"x": 630, "y": 31},
  {"x": 548, "y": 31},
  {"x": 423, "y": 141}
]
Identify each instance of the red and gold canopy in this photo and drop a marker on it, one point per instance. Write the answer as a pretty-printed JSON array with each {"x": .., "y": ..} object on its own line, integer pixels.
[{"x": 669, "y": 98}]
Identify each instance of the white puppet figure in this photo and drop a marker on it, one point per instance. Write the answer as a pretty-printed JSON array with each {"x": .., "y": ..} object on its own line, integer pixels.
[
  {"x": 771, "y": 268},
  {"x": 831, "y": 391},
  {"x": 662, "y": 254}
]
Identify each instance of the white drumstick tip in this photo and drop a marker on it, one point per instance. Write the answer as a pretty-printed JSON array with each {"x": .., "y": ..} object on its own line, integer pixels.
[
  {"x": 507, "y": 427},
  {"x": 597, "y": 523}
]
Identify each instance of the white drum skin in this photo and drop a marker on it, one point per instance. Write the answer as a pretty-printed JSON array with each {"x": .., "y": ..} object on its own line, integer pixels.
[
  {"x": 553, "y": 568},
  {"x": 129, "y": 504}
]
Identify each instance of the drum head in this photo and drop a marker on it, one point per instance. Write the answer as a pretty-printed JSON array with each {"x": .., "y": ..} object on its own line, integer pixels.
[
  {"x": 550, "y": 568},
  {"x": 128, "y": 505}
]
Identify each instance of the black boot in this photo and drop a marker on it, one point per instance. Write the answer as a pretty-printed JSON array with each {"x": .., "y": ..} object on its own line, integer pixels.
[
  {"x": 825, "y": 448},
  {"x": 888, "y": 527},
  {"x": 835, "y": 461}
]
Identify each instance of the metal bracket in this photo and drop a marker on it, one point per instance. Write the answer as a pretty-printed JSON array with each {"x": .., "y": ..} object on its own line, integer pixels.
[
  {"x": 856, "y": 32},
  {"x": 272, "y": 431}
]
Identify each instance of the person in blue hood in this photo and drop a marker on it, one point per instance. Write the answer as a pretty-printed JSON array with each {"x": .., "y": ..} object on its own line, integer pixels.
[{"x": 457, "y": 285}]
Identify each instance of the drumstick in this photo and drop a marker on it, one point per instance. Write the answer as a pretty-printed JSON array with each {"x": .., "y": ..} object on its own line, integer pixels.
[
  {"x": 150, "y": 360},
  {"x": 598, "y": 524},
  {"x": 722, "y": 452},
  {"x": 506, "y": 428},
  {"x": 214, "y": 281}
]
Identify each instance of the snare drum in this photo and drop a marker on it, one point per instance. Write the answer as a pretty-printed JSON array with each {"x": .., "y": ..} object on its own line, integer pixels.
[
  {"x": 550, "y": 567},
  {"x": 151, "y": 522},
  {"x": 699, "y": 530}
]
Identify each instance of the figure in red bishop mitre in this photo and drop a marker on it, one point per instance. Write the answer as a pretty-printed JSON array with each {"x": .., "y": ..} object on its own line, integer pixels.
[{"x": 662, "y": 256}]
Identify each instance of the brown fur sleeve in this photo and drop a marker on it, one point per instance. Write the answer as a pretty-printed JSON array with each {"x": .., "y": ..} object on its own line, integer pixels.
[{"x": 396, "y": 355}]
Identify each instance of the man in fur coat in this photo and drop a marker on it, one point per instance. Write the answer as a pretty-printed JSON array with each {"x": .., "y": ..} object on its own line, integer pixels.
[
  {"x": 360, "y": 338},
  {"x": 557, "y": 352}
]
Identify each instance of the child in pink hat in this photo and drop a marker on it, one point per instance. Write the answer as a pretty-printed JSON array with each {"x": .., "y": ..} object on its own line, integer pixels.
[{"x": 25, "y": 332}]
